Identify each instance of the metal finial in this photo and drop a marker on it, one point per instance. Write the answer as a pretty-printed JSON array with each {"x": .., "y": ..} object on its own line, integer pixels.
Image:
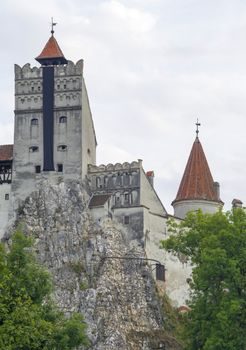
[
  {"x": 52, "y": 26},
  {"x": 197, "y": 127}
]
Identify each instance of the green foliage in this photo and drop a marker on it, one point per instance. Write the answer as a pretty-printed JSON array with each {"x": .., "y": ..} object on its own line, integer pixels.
[
  {"x": 216, "y": 247},
  {"x": 28, "y": 318}
]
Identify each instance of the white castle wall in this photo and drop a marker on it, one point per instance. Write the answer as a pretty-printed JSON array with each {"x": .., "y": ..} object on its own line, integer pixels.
[
  {"x": 5, "y": 196},
  {"x": 181, "y": 208}
]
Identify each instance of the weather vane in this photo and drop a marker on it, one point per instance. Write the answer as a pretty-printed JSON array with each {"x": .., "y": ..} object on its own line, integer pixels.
[
  {"x": 52, "y": 26},
  {"x": 197, "y": 127}
]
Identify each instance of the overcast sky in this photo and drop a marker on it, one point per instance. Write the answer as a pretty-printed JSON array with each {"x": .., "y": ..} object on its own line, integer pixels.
[{"x": 152, "y": 67}]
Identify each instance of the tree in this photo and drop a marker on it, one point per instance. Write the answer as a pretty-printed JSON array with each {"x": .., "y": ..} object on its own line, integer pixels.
[
  {"x": 216, "y": 247},
  {"x": 28, "y": 318}
]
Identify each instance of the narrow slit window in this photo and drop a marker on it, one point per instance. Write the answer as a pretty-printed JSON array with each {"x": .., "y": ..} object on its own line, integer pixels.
[
  {"x": 37, "y": 169},
  {"x": 126, "y": 220},
  {"x": 6, "y": 196},
  {"x": 60, "y": 168}
]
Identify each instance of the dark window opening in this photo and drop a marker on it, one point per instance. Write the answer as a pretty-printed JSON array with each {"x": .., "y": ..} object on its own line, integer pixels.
[
  {"x": 32, "y": 88},
  {"x": 39, "y": 88},
  {"x": 60, "y": 168},
  {"x": 62, "y": 148},
  {"x": 99, "y": 182},
  {"x": 63, "y": 119},
  {"x": 33, "y": 149},
  {"x": 34, "y": 121},
  {"x": 58, "y": 86},
  {"x": 126, "y": 220},
  {"x": 37, "y": 169},
  {"x": 65, "y": 86},
  {"x": 126, "y": 197},
  {"x": 6, "y": 196},
  {"x": 88, "y": 151}
]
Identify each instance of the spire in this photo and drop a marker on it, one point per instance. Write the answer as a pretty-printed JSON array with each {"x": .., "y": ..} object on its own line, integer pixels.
[
  {"x": 197, "y": 182},
  {"x": 51, "y": 54},
  {"x": 197, "y": 128}
]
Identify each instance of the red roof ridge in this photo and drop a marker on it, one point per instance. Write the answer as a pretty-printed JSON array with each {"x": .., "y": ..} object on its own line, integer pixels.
[{"x": 197, "y": 182}]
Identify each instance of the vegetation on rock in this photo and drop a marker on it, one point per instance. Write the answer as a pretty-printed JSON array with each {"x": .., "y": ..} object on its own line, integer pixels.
[
  {"x": 28, "y": 318},
  {"x": 216, "y": 247}
]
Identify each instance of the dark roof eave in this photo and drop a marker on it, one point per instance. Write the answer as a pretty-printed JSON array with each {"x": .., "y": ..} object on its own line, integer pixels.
[{"x": 47, "y": 61}]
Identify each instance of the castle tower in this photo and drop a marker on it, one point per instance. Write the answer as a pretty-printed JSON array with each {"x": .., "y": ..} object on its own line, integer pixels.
[
  {"x": 54, "y": 133},
  {"x": 197, "y": 189}
]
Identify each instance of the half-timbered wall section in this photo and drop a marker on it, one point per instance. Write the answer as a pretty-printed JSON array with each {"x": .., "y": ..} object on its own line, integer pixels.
[{"x": 6, "y": 158}]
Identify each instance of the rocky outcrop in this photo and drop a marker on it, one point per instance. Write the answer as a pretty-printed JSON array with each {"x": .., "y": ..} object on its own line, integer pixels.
[{"x": 93, "y": 268}]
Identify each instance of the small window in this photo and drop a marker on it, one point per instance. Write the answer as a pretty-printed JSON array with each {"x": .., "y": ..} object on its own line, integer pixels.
[
  {"x": 65, "y": 86},
  {"x": 37, "y": 169},
  {"x": 60, "y": 168},
  {"x": 34, "y": 121},
  {"x": 6, "y": 196},
  {"x": 88, "y": 151},
  {"x": 39, "y": 88},
  {"x": 62, "y": 148},
  {"x": 32, "y": 88},
  {"x": 33, "y": 149},
  {"x": 63, "y": 119},
  {"x": 126, "y": 220},
  {"x": 126, "y": 196},
  {"x": 58, "y": 86}
]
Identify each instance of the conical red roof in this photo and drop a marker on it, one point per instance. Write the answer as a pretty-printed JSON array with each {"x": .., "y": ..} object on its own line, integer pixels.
[
  {"x": 51, "y": 52},
  {"x": 197, "y": 181}
]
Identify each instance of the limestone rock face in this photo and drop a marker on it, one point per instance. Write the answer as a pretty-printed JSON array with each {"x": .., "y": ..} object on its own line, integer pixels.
[{"x": 117, "y": 296}]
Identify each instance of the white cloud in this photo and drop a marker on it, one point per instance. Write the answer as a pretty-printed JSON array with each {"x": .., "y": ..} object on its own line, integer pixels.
[{"x": 152, "y": 67}]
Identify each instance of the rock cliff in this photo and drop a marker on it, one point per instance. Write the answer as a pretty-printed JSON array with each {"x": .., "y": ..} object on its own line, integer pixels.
[{"x": 117, "y": 296}]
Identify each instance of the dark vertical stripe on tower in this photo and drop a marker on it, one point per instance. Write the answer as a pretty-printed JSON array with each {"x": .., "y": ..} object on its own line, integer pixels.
[{"x": 48, "y": 118}]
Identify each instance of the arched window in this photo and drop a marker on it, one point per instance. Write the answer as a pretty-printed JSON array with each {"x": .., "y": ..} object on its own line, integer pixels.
[
  {"x": 105, "y": 181},
  {"x": 63, "y": 119},
  {"x": 99, "y": 182},
  {"x": 33, "y": 149},
  {"x": 34, "y": 121},
  {"x": 62, "y": 148}
]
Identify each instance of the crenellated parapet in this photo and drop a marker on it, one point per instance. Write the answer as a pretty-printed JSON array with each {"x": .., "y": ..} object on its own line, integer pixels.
[
  {"x": 69, "y": 69},
  {"x": 29, "y": 86},
  {"x": 115, "y": 167},
  {"x": 28, "y": 72}
]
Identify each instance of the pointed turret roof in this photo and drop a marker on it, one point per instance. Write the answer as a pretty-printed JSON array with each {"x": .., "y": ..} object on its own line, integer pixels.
[
  {"x": 51, "y": 54},
  {"x": 197, "y": 182}
]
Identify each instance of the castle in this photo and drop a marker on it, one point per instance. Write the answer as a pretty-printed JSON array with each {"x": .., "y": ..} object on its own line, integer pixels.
[{"x": 54, "y": 138}]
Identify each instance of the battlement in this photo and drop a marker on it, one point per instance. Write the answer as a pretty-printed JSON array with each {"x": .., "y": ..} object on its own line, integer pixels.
[
  {"x": 28, "y": 72},
  {"x": 115, "y": 167}
]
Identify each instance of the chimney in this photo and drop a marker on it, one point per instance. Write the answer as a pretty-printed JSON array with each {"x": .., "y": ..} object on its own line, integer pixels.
[
  {"x": 150, "y": 175},
  {"x": 236, "y": 203},
  {"x": 217, "y": 189}
]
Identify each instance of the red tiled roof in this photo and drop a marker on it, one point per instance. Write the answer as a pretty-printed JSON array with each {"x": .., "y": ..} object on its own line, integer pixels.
[
  {"x": 51, "y": 50},
  {"x": 197, "y": 181},
  {"x": 150, "y": 173},
  {"x": 6, "y": 152}
]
